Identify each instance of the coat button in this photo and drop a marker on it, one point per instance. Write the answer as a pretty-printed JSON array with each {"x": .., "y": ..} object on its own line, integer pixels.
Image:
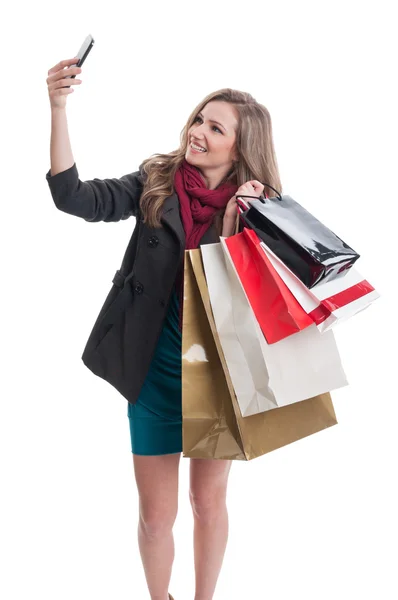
[
  {"x": 138, "y": 288},
  {"x": 153, "y": 241}
]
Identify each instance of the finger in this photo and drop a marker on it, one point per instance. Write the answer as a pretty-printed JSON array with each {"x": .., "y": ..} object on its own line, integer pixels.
[
  {"x": 245, "y": 189},
  {"x": 248, "y": 188},
  {"x": 257, "y": 185},
  {"x": 62, "y": 64}
]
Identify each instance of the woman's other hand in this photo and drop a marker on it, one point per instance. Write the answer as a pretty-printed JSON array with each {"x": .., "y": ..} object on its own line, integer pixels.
[{"x": 250, "y": 188}]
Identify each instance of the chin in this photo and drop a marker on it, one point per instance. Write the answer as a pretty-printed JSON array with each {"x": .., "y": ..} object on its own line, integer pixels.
[{"x": 192, "y": 159}]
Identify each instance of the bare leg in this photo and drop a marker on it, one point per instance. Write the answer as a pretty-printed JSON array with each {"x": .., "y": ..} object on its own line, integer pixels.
[
  {"x": 208, "y": 488},
  {"x": 157, "y": 482}
]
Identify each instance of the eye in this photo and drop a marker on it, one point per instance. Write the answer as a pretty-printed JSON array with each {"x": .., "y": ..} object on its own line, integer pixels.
[{"x": 215, "y": 128}]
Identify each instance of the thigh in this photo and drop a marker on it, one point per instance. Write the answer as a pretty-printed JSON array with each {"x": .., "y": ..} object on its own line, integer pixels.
[
  {"x": 208, "y": 479},
  {"x": 157, "y": 483}
]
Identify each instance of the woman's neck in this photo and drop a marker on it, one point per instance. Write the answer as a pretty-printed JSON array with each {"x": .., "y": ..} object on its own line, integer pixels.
[{"x": 214, "y": 179}]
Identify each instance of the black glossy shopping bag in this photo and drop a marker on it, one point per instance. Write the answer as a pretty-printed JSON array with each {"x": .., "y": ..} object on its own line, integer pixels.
[{"x": 311, "y": 250}]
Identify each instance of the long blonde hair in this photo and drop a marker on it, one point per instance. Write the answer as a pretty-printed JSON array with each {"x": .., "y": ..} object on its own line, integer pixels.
[{"x": 254, "y": 144}]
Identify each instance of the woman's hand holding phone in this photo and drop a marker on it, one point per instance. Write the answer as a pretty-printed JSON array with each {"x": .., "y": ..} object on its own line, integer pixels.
[{"x": 57, "y": 90}]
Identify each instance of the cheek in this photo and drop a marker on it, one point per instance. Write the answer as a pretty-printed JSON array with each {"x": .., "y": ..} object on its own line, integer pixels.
[{"x": 223, "y": 145}]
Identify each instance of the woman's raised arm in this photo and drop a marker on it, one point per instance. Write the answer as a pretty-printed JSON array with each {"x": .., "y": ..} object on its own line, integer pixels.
[
  {"x": 96, "y": 199},
  {"x": 93, "y": 200}
]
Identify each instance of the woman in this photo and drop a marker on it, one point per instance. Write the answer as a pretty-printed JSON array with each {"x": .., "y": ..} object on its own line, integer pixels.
[{"x": 180, "y": 200}]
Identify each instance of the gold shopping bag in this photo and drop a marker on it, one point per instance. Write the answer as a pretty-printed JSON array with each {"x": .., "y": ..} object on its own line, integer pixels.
[{"x": 213, "y": 426}]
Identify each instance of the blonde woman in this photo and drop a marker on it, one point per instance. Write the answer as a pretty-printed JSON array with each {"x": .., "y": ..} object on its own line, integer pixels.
[{"x": 179, "y": 201}]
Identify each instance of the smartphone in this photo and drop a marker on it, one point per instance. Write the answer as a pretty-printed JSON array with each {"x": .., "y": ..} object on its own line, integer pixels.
[{"x": 82, "y": 55}]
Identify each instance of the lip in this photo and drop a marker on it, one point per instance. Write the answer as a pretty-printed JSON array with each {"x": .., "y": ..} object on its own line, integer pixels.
[
  {"x": 193, "y": 151},
  {"x": 196, "y": 144}
]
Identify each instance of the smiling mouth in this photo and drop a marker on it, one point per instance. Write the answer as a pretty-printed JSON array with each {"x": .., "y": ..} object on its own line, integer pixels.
[{"x": 198, "y": 148}]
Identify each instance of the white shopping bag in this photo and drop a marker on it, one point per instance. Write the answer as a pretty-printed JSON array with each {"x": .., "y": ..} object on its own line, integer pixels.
[
  {"x": 330, "y": 302},
  {"x": 248, "y": 370},
  {"x": 265, "y": 376}
]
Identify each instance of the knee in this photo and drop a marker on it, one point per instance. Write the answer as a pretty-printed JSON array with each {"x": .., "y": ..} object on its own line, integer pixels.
[
  {"x": 156, "y": 521},
  {"x": 208, "y": 507}
]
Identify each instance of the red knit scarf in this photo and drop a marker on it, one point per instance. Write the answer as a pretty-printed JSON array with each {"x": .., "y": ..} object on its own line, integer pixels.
[{"x": 198, "y": 206}]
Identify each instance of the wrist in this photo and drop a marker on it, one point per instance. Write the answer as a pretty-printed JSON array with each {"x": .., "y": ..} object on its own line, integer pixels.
[
  {"x": 228, "y": 226},
  {"x": 56, "y": 110}
]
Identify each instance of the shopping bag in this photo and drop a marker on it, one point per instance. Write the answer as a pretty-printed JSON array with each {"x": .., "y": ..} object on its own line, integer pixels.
[
  {"x": 277, "y": 311},
  {"x": 213, "y": 426},
  {"x": 239, "y": 341},
  {"x": 330, "y": 302},
  {"x": 311, "y": 250},
  {"x": 298, "y": 367}
]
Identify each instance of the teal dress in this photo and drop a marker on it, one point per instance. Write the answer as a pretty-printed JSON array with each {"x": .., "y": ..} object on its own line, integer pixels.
[{"x": 156, "y": 418}]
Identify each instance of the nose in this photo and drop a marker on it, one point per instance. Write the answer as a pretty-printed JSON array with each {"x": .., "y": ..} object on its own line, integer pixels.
[{"x": 198, "y": 131}]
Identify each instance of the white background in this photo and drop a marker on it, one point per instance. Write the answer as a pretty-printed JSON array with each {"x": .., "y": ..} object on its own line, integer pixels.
[{"x": 314, "y": 520}]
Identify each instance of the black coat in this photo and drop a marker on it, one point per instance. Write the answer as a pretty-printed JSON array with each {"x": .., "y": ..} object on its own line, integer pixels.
[{"x": 124, "y": 336}]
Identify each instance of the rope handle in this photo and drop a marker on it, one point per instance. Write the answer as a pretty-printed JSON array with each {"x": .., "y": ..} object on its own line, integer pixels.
[
  {"x": 261, "y": 199},
  {"x": 242, "y": 206}
]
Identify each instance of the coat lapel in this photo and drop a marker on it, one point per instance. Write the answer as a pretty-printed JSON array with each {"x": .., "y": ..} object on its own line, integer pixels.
[{"x": 171, "y": 217}]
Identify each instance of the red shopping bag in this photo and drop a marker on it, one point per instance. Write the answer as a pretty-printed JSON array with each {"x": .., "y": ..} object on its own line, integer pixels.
[
  {"x": 276, "y": 309},
  {"x": 328, "y": 302}
]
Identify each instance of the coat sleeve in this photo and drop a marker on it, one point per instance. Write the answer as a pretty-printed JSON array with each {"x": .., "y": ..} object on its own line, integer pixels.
[{"x": 96, "y": 199}]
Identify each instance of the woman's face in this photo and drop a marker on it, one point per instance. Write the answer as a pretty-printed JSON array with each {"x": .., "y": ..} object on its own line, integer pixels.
[{"x": 214, "y": 131}]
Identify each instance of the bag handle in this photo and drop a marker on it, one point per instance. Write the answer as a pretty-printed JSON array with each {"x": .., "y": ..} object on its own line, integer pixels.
[
  {"x": 237, "y": 222},
  {"x": 261, "y": 199},
  {"x": 240, "y": 207}
]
